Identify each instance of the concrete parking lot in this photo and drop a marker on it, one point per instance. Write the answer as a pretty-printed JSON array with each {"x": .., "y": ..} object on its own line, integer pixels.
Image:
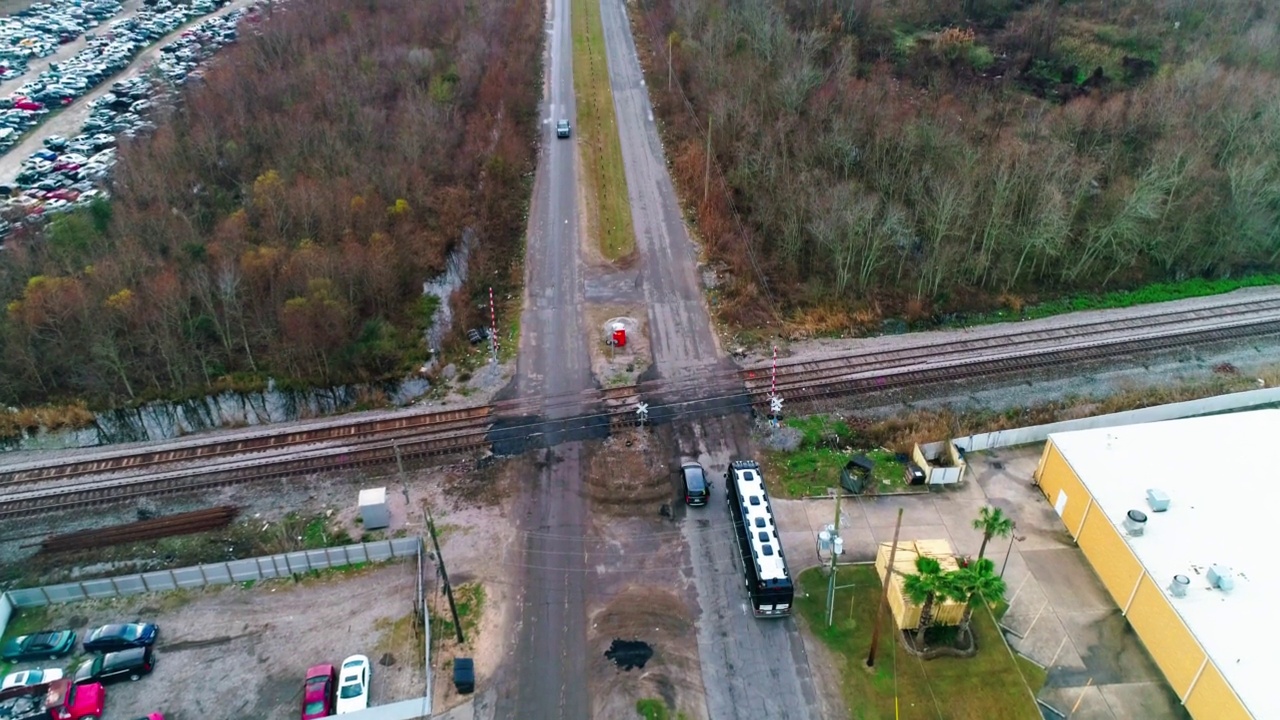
[
  {"x": 233, "y": 653},
  {"x": 1059, "y": 616}
]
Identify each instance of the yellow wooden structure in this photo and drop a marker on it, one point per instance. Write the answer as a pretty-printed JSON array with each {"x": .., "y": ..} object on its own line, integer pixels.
[{"x": 906, "y": 614}]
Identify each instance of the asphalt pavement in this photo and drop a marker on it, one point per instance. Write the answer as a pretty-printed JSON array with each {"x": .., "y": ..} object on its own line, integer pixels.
[
  {"x": 554, "y": 363},
  {"x": 680, "y": 331},
  {"x": 750, "y": 668}
]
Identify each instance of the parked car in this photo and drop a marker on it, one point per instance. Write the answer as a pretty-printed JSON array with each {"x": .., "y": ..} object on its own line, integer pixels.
[
  {"x": 120, "y": 636},
  {"x": 353, "y": 687},
  {"x": 696, "y": 486},
  {"x": 129, "y": 664},
  {"x": 562, "y": 129},
  {"x": 23, "y": 678},
  {"x": 50, "y": 644},
  {"x": 318, "y": 691}
]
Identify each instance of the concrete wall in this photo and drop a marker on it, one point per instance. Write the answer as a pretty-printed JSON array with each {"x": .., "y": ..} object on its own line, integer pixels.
[
  {"x": 1172, "y": 411},
  {"x": 250, "y": 569},
  {"x": 6, "y": 612}
]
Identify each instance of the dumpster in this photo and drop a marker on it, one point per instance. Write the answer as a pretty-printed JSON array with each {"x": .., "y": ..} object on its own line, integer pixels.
[
  {"x": 856, "y": 474},
  {"x": 464, "y": 675}
]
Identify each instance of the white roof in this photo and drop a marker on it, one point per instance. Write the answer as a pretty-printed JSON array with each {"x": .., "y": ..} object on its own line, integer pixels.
[
  {"x": 1224, "y": 502},
  {"x": 758, "y": 517}
]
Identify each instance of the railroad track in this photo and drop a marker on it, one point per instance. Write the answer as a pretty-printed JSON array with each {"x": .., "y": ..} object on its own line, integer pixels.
[
  {"x": 58, "y": 485},
  {"x": 211, "y": 449},
  {"x": 798, "y": 374}
]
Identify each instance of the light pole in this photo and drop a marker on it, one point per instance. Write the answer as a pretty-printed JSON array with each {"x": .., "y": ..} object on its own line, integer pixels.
[{"x": 1013, "y": 535}]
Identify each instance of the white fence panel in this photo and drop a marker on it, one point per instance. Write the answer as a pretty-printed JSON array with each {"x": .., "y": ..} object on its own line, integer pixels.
[
  {"x": 1157, "y": 413},
  {"x": 266, "y": 567}
]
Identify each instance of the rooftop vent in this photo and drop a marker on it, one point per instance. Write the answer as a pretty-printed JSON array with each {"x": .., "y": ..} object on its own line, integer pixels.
[
  {"x": 1178, "y": 588},
  {"x": 1221, "y": 578},
  {"x": 1135, "y": 521},
  {"x": 1158, "y": 500}
]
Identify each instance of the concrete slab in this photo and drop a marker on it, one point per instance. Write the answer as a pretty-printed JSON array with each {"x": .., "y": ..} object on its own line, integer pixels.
[
  {"x": 1067, "y": 577},
  {"x": 1078, "y": 703},
  {"x": 1142, "y": 701},
  {"x": 1111, "y": 651}
]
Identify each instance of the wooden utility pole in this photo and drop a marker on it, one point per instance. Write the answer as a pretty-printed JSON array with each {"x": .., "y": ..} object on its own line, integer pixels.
[
  {"x": 670, "y": 38},
  {"x": 444, "y": 577},
  {"x": 706, "y": 181},
  {"x": 884, "y": 595},
  {"x": 831, "y": 582}
]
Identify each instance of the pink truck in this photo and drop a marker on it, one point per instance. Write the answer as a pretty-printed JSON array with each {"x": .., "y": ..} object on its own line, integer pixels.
[{"x": 58, "y": 700}]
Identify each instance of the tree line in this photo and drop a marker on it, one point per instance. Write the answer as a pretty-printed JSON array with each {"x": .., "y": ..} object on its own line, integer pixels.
[
  {"x": 282, "y": 220},
  {"x": 942, "y": 154}
]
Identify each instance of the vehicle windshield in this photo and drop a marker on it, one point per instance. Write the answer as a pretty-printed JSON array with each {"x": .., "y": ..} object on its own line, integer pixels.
[
  {"x": 131, "y": 632},
  {"x": 351, "y": 691},
  {"x": 314, "y": 707}
]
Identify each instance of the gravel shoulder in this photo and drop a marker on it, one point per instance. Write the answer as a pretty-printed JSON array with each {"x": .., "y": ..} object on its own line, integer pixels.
[{"x": 798, "y": 349}]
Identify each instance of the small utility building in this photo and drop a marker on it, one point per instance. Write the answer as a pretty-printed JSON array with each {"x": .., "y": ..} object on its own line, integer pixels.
[{"x": 1179, "y": 521}]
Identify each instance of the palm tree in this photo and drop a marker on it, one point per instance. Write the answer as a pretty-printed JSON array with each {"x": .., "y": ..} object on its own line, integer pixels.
[
  {"x": 924, "y": 587},
  {"x": 976, "y": 584},
  {"x": 991, "y": 521}
]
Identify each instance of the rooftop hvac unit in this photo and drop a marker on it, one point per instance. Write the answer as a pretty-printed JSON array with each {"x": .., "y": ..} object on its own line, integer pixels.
[
  {"x": 1178, "y": 588},
  {"x": 1221, "y": 578},
  {"x": 1135, "y": 522},
  {"x": 1158, "y": 500}
]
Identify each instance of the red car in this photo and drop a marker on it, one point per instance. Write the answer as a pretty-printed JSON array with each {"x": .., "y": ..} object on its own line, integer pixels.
[
  {"x": 317, "y": 692},
  {"x": 27, "y": 105}
]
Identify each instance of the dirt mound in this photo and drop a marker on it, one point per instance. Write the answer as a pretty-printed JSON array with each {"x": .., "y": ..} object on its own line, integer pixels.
[
  {"x": 649, "y": 628},
  {"x": 629, "y": 477},
  {"x": 628, "y": 654}
]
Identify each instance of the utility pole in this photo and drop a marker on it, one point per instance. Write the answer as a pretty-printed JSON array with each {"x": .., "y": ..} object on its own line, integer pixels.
[
  {"x": 706, "y": 181},
  {"x": 884, "y": 594},
  {"x": 444, "y": 577},
  {"x": 670, "y": 37},
  {"x": 835, "y": 553}
]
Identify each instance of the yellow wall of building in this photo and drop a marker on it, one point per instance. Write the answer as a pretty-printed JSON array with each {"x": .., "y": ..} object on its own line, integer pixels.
[
  {"x": 1057, "y": 476},
  {"x": 1167, "y": 639},
  {"x": 1175, "y": 651},
  {"x": 1110, "y": 556},
  {"x": 1213, "y": 698}
]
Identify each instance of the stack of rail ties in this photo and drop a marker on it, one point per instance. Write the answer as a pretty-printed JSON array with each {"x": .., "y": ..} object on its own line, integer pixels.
[{"x": 188, "y": 523}]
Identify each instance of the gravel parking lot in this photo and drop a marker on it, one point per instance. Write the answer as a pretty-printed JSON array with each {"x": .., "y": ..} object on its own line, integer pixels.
[{"x": 236, "y": 653}]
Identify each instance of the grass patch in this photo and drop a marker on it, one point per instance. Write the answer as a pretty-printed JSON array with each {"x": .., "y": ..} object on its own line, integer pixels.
[
  {"x": 608, "y": 211},
  {"x": 990, "y": 685},
  {"x": 402, "y": 638},
  {"x": 826, "y": 445},
  {"x": 25, "y": 621},
  {"x": 1146, "y": 295},
  {"x": 651, "y": 709},
  {"x": 469, "y": 599}
]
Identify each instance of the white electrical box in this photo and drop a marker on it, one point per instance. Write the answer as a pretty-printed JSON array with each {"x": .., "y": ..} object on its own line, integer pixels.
[{"x": 374, "y": 512}]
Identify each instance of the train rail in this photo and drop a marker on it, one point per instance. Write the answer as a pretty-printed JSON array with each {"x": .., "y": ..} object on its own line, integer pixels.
[{"x": 123, "y": 475}]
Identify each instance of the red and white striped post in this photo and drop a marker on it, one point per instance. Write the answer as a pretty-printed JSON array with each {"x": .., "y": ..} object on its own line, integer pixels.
[
  {"x": 493, "y": 325},
  {"x": 773, "y": 378}
]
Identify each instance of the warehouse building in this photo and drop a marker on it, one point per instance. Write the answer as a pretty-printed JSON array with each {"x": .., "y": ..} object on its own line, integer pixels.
[{"x": 1179, "y": 521}]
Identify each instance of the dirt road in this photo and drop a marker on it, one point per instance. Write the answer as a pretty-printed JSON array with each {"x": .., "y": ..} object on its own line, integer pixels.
[{"x": 68, "y": 121}]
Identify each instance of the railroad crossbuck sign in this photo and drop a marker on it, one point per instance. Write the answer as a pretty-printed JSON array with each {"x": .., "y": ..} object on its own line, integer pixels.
[
  {"x": 775, "y": 409},
  {"x": 642, "y": 411}
]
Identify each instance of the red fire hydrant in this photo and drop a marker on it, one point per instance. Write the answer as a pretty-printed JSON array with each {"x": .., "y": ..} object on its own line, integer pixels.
[{"x": 619, "y": 335}]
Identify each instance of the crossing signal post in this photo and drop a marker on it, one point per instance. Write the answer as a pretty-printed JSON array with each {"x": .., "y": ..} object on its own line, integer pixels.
[
  {"x": 642, "y": 413},
  {"x": 775, "y": 410}
]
